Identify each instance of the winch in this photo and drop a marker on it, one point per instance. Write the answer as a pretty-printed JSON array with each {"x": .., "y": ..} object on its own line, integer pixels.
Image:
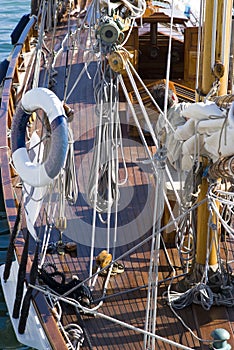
[{"x": 109, "y": 31}]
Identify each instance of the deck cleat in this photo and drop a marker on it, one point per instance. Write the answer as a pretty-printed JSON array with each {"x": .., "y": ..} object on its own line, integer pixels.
[
  {"x": 69, "y": 112},
  {"x": 117, "y": 268},
  {"x": 104, "y": 259},
  {"x": 220, "y": 336},
  {"x": 60, "y": 248}
]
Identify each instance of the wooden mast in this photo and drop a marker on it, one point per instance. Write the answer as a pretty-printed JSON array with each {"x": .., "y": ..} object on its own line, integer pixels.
[{"x": 210, "y": 74}]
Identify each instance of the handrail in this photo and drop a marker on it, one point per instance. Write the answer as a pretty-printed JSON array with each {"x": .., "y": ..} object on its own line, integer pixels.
[{"x": 6, "y": 112}]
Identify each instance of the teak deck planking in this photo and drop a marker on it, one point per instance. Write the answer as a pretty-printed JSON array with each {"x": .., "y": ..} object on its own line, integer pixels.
[{"x": 129, "y": 307}]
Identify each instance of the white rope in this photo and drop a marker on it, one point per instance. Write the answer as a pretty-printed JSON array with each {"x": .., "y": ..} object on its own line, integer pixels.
[
  {"x": 84, "y": 70},
  {"x": 128, "y": 34},
  {"x": 225, "y": 198},
  {"x": 142, "y": 106},
  {"x": 95, "y": 197},
  {"x": 48, "y": 227},
  {"x": 72, "y": 332},
  {"x": 151, "y": 309},
  {"x": 136, "y": 11},
  {"x": 149, "y": 125},
  {"x": 39, "y": 47},
  {"x": 168, "y": 61},
  {"x": 71, "y": 189}
]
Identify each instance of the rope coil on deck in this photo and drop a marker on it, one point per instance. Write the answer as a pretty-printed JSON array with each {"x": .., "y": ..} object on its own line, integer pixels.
[{"x": 39, "y": 175}]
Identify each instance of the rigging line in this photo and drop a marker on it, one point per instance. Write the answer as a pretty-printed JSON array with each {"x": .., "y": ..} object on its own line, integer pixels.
[
  {"x": 84, "y": 70},
  {"x": 118, "y": 135},
  {"x": 48, "y": 226},
  {"x": 183, "y": 323},
  {"x": 225, "y": 225},
  {"x": 136, "y": 119},
  {"x": 109, "y": 7},
  {"x": 109, "y": 189},
  {"x": 136, "y": 11},
  {"x": 59, "y": 51},
  {"x": 113, "y": 111},
  {"x": 142, "y": 136},
  {"x": 92, "y": 13},
  {"x": 116, "y": 205},
  {"x": 57, "y": 312},
  {"x": 170, "y": 299},
  {"x": 29, "y": 72},
  {"x": 71, "y": 182},
  {"x": 151, "y": 97},
  {"x": 128, "y": 34},
  {"x": 148, "y": 121},
  {"x": 39, "y": 47},
  {"x": 47, "y": 231},
  {"x": 228, "y": 202},
  {"x": 68, "y": 70},
  {"x": 167, "y": 202},
  {"x": 133, "y": 249},
  {"x": 109, "y": 318},
  {"x": 154, "y": 254},
  {"x": 168, "y": 61},
  {"x": 205, "y": 277},
  {"x": 55, "y": 18},
  {"x": 45, "y": 242},
  {"x": 144, "y": 286},
  {"x": 95, "y": 194},
  {"x": 115, "y": 160},
  {"x": 139, "y": 99},
  {"x": 61, "y": 202},
  {"x": 142, "y": 331},
  {"x": 212, "y": 199}
]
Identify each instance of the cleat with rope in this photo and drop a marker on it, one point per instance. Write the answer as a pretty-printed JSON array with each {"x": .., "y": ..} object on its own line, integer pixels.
[{"x": 104, "y": 259}]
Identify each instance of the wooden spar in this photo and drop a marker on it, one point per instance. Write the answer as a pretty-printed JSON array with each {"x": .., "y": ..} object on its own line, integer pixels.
[
  {"x": 225, "y": 56},
  {"x": 208, "y": 72},
  {"x": 208, "y": 78},
  {"x": 202, "y": 230}
]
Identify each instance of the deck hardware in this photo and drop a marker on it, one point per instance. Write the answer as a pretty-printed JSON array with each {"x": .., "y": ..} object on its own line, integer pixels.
[
  {"x": 117, "y": 60},
  {"x": 220, "y": 336},
  {"x": 109, "y": 31}
]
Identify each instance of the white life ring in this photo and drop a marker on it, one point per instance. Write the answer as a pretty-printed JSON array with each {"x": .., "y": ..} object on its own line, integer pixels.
[{"x": 39, "y": 174}]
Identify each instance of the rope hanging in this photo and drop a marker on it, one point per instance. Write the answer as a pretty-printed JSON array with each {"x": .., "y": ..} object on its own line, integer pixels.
[
  {"x": 71, "y": 187},
  {"x": 104, "y": 146}
]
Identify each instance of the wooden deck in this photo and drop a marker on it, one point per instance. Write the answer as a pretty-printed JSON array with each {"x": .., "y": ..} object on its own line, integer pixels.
[{"x": 126, "y": 295}]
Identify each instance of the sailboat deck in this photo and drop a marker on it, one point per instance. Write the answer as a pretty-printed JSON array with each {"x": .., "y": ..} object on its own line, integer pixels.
[{"x": 126, "y": 296}]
